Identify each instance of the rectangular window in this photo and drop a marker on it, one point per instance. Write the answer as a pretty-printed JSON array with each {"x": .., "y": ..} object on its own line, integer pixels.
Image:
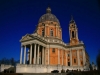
[
  {"x": 42, "y": 32},
  {"x": 68, "y": 63},
  {"x": 81, "y": 63},
  {"x": 53, "y": 50},
  {"x": 81, "y": 53},
  {"x": 68, "y": 54},
  {"x": 51, "y": 32},
  {"x": 74, "y": 60}
]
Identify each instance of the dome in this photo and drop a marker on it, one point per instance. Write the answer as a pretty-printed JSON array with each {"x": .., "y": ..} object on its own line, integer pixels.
[{"x": 48, "y": 17}]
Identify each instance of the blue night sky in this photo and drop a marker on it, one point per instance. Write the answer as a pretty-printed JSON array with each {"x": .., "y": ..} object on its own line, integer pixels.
[{"x": 19, "y": 17}]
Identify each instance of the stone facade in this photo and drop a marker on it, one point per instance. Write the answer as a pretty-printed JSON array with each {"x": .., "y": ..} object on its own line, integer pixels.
[{"x": 44, "y": 50}]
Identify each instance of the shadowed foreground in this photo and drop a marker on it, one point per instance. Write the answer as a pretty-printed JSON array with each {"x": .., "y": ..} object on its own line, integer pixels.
[{"x": 96, "y": 72}]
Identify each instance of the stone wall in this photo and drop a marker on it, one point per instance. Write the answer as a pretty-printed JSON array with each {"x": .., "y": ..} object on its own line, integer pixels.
[
  {"x": 3, "y": 66},
  {"x": 21, "y": 68}
]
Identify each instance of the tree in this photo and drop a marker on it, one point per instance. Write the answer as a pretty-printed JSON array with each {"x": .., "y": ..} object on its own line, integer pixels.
[
  {"x": 90, "y": 66},
  {"x": 8, "y": 61},
  {"x": 98, "y": 60},
  {"x": 12, "y": 61}
]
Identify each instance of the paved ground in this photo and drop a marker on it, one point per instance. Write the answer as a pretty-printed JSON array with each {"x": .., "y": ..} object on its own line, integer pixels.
[{"x": 44, "y": 73}]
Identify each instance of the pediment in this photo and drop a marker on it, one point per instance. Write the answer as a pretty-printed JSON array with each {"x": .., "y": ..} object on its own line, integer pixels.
[{"x": 26, "y": 37}]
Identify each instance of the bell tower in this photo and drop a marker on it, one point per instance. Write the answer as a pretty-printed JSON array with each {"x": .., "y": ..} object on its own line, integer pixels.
[{"x": 73, "y": 32}]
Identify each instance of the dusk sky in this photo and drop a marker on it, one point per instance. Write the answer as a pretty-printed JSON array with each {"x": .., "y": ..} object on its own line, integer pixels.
[{"x": 19, "y": 17}]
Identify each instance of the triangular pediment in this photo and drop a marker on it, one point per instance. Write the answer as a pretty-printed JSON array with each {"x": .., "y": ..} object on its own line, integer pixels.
[{"x": 26, "y": 37}]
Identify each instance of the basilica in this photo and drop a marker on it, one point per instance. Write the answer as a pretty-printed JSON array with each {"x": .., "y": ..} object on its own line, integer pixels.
[{"x": 44, "y": 50}]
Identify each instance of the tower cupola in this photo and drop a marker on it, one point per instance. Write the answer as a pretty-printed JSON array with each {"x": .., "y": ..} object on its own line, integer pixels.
[{"x": 73, "y": 32}]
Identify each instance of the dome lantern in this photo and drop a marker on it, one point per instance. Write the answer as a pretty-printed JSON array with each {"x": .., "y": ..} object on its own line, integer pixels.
[{"x": 48, "y": 10}]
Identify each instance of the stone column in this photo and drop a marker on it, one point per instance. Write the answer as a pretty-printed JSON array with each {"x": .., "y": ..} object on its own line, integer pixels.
[
  {"x": 45, "y": 30},
  {"x": 66, "y": 58},
  {"x": 48, "y": 31},
  {"x": 61, "y": 33},
  {"x": 38, "y": 55},
  {"x": 35, "y": 53},
  {"x": 78, "y": 59},
  {"x": 42, "y": 55},
  {"x": 84, "y": 57},
  {"x": 31, "y": 54},
  {"x": 25, "y": 55},
  {"x": 77, "y": 33},
  {"x": 58, "y": 57},
  {"x": 70, "y": 57},
  {"x": 48, "y": 56},
  {"x": 62, "y": 57},
  {"x": 56, "y": 30},
  {"x": 21, "y": 55},
  {"x": 70, "y": 33}
]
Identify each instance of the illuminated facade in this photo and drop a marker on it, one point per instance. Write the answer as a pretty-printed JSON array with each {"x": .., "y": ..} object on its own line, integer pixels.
[{"x": 44, "y": 50}]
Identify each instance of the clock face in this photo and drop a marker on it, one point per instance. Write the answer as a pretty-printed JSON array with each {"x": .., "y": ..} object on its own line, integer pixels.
[{"x": 73, "y": 26}]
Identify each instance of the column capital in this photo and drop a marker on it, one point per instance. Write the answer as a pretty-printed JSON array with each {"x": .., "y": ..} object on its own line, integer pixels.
[
  {"x": 22, "y": 45},
  {"x": 30, "y": 43}
]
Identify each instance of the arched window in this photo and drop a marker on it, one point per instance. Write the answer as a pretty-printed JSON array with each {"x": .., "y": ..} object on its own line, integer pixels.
[
  {"x": 51, "y": 32},
  {"x": 73, "y": 34},
  {"x": 42, "y": 32}
]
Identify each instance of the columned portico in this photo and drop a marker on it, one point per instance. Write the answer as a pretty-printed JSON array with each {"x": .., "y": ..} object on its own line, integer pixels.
[{"x": 37, "y": 58}]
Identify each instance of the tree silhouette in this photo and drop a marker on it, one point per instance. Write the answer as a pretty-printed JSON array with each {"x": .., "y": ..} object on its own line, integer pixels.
[
  {"x": 90, "y": 66},
  {"x": 8, "y": 61},
  {"x": 12, "y": 61},
  {"x": 98, "y": 60}
]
